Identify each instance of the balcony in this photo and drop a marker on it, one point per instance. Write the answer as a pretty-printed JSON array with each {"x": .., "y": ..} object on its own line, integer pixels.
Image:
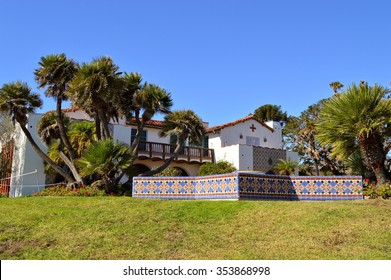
[{"x": 160, "y": 151}]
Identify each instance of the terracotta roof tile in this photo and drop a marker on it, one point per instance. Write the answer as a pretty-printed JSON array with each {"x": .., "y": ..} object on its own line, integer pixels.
[
  {"x": 242, "y": 120},
  {"x": 151, "y": 123}
]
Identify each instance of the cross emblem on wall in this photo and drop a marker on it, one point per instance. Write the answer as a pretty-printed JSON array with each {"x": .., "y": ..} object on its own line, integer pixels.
[{"x": 253, "y": 128}]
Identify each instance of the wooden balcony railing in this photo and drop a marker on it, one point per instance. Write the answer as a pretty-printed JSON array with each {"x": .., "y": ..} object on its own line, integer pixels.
[{"x": 163, "y": 151}]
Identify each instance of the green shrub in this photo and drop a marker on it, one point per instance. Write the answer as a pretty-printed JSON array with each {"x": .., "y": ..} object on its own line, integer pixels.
[
  {"x": 221, "y": 167},
  {"x": 170, "y": 172},
  {"x": 383, "y": 191},
  {"x": 68, "y": 191},
  {"x": 369, "y": 192}
]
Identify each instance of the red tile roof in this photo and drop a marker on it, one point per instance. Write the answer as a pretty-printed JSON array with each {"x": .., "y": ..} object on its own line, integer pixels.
[
  {"x": 151, "y": 123},
  {"x": 242, "y": 120}
]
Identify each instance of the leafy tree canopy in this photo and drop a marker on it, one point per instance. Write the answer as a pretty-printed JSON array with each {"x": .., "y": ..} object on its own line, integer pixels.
[{"x": 270, "y": 112}]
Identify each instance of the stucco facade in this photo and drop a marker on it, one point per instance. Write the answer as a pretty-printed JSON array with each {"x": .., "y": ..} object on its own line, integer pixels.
[{"x": 249, "y": 144}]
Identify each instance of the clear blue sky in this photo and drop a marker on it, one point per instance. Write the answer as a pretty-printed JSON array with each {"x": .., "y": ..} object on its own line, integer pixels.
[{"x": 222, "y": 59}]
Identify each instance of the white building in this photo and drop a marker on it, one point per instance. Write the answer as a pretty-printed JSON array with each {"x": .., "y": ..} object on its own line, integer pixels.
[{"x": 248, "y": 143}]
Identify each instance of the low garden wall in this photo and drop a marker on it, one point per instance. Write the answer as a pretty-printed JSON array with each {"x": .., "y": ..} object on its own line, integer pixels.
[
  {"x": 250, "y": 186},
  {"x": 200, "y": 187}
]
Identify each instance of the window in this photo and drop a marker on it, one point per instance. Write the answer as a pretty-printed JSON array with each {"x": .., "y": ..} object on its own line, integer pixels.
[{"x": 142, "y": 140}]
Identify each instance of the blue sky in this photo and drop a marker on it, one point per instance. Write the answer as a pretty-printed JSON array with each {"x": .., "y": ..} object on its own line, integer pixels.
[{"x": 222, "y": 59}]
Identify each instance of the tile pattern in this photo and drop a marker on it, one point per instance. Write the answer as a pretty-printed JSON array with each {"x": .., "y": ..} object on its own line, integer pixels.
[
  {"x": 205, "y": 187},
  {"x": 259, "y": 186},
  {"x": 265, "y": 158},
  {"x": 249, "y": 186}
]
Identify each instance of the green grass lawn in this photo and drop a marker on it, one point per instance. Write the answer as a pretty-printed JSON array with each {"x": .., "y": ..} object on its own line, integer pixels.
[{"x": 128, "y": 228}]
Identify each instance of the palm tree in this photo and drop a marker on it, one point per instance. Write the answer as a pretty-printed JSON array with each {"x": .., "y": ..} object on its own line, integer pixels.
[
  {"x": 93, "y": 89},
  {"x": 17, "y": 99},
  {"x": 54, "y": 73},
  {"x": 148, "y": 101},
  {"x": 82, "y": 135},
  {"x": 49, "y": 131},
  {"x": 109, "y": 159},
  {"x": 360, "y": 119},
  {"x": 124, "y": 98},
  {"x": 185, "y": 125},
  {"x": 336, "y": 86},
  {"x": 286, "y": 167}
]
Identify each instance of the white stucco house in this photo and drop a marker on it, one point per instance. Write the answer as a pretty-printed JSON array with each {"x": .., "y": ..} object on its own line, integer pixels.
[{"x": 249, "y": 144}]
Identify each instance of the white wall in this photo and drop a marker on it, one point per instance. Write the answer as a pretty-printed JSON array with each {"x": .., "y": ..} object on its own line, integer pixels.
[
  {"x": 237, "y": 134},
  {"x": 246, "y": 158},
  {"x": 26, "y": 160},
  {"x": 122, "y": 133},
  {"x": 241, "y": 156}
]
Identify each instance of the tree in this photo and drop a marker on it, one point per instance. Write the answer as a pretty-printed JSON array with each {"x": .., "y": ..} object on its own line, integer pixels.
[
  {"x": 6, "y": 128},
  {"x": 336, "y": 86},
  {"x": 94, "y": 88},
  {"x": 286, "y": 167},
  {"x": 17, "y": 99},
  {"x": 300, "y": 135},
  {"x": 185, "y": 125},
  {"x": 220, "y": 167},
  {"x": 270, "y": 112},
  {"x": 55, "y": 73},
  {"x": 148, "y": 101},
  {"x": 81, "y": 135},
  {"x": 107, "y": 158},
  {"x": 358, "y": 118}
]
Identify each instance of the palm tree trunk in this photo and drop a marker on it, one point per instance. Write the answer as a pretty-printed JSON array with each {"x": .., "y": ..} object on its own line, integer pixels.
[
  {"x": 104, "y": 123},
  {"x": 316, "y": 167},
  {"x": 135, "y": 145},
  {"x": 168, "y": 161},
  {"x": 97, "y": 127},
  {"x": 65, "y": 140},
  {"x": 373, "y": 156},
  {"x": 42, "y": 155},
  {"x": 71, "y": 166},
  {"x": 63, "y": 135}
]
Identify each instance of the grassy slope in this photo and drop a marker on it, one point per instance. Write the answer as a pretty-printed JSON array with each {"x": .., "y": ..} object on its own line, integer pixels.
[{"x": 126, "y": 228}]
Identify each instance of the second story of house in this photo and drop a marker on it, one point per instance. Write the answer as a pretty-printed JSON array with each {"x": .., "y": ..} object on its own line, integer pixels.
[
  {"x": 152, "y": 145},
  {"x": 246, "y": 131}
]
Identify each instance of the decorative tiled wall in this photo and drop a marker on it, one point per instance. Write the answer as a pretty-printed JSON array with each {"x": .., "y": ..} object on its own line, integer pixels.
[
  {"x": 266, "y": 158},
  {"x": 275, "y": 187},
  {"x": 202, "y": 187},
  {"x": 250, "y": 186}
]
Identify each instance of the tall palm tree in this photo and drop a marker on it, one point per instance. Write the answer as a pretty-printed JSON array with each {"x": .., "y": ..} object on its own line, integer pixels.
[
  {"x": 55, "y": 72},
  {"x": 93, "y": 88},
  {"x": 148, "y": 101},
  {"x": 360, "y": 119},
  {"x": 185, "y": 125},
  {"x": 107, "y": 158},
  {"x": 17, "y": 99},
  {"x": 124, "y": 98}
]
